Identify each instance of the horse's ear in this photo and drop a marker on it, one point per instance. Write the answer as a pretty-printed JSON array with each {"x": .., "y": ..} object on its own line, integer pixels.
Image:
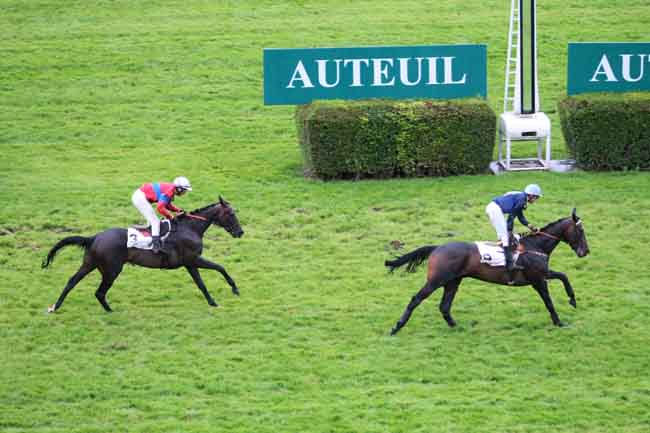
[
  {"x": 222, "y": 202},
  {"x": 573, "y": 215}
]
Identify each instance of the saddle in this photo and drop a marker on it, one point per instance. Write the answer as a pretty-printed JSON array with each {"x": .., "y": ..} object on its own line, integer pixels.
[
  {"x": 492, "y": 252},
  {"x": 145, "y": 229},
  {"x": 139, "y": 236}
]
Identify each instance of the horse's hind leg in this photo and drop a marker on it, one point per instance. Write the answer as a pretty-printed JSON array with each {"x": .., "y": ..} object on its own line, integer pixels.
[
  {"x": 416, "y": 300},
  {"x": 451, "y": 288},
  {"x": 108, "y": 277},
  {"x": 84, "y": 270}
]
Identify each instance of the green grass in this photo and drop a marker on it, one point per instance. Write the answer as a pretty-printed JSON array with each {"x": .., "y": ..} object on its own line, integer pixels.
[{"x": 98, "y": 97}]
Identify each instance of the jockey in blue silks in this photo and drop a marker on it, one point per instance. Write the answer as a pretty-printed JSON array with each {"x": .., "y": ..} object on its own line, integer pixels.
[{"x": 512, "y": 203}]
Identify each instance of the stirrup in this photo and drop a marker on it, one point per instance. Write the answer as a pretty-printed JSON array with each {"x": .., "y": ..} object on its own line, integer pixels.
[
  {"x": 162, "y": 249},
  {"x": 156, "y": 245}
]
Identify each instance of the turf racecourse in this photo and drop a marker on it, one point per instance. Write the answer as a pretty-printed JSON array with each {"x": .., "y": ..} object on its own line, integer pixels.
[{"x": 98, "y": 97}]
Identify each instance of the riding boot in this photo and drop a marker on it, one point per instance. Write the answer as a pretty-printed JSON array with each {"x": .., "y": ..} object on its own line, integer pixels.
[
  {"x": 156, "y": 244},
  {"x": 510, "y": 264}
]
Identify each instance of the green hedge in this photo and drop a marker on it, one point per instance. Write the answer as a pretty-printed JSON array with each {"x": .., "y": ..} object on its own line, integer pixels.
[
  {"x": 343, "y": 139},
  {"x": 607, "y": 131}
]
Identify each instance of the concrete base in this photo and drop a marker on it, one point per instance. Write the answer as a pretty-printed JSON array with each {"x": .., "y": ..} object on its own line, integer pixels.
[{"x": 555, "y": 165}]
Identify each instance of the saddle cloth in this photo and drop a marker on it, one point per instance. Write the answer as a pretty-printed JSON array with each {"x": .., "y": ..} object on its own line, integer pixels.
[
  {"x": 492, "y": 253},
  {"x": 140, "y": 236}
]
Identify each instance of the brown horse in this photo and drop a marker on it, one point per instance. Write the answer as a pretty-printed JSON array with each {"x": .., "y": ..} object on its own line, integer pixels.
[
  {"x": 450, "y": 263},
  {"x": 107, "y": 251}
]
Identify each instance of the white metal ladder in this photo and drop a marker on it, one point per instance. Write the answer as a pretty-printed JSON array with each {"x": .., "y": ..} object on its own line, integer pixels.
[
  {"x": 515, "y": 126},
  {"x": 512, "y": 63}
]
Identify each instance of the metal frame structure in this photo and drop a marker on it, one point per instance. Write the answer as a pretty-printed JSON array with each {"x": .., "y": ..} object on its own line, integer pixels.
[{"x": 521, "y": 119}]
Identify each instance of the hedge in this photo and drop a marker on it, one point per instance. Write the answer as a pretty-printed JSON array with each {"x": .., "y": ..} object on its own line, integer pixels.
[
  {"x": 607, "y": 131},
  {"x": 343, "y": 139}
]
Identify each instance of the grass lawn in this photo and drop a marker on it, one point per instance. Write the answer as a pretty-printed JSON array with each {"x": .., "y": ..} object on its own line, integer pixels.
[{"x": 97, "y": 97}]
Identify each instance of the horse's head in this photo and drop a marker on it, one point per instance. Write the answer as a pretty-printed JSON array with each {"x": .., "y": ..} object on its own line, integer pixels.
[
  {"x": 574, "y": 234},
  {"x": 224, "y": 216}
]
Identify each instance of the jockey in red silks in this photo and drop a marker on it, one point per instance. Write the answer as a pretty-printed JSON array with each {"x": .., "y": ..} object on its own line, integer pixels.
[{"x": 162, "y": 194}]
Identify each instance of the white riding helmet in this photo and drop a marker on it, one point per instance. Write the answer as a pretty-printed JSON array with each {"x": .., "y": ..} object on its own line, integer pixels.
[
  {"x": 533, "y": 189},
  {"x": 183, "y": 183}
]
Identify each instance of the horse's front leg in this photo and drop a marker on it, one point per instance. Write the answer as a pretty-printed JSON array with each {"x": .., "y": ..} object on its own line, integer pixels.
[
  {"x": 552, "y": 275},
  {"x": 542, "y": 289},
  {"x": 200, "y": 262},
  {"x": 194, "y": 272}
]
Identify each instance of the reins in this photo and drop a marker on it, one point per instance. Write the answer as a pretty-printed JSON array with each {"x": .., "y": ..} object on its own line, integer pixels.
[
  {"x": 537, "y": 253},
  {"x": 196, "y": 217},
  {"x": 548, "y": 235},
  {"x": 522, "y": 250}
]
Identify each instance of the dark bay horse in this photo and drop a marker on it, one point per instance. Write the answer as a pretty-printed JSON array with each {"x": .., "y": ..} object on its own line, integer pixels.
[
  {"x": 107, "y": 251},
  {"x": 450, "y": 263}
]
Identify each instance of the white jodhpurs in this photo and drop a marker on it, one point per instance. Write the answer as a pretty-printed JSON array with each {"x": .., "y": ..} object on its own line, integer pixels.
[
  {"x": 140, "y": 202},
  {"x": 498, "y": 221}
]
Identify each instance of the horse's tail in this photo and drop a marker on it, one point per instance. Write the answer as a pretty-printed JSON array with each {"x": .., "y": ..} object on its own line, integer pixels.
[
  {"x": 80, "y": 241},
  {"x": 413, "y": 259}
]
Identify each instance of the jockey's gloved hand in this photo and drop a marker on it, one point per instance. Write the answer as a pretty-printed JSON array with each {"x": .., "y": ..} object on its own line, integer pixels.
[{"x": 532, "y": 228}]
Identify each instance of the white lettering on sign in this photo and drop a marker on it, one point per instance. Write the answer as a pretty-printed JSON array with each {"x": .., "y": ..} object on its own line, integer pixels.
[
  {"x": 404, "y": 71},
  {"x": 605, "y": 69},
  {"x": 449, "y": 72},
  {"x": 300, "y": 74},
  {"x": 626, "y": 67},
  {"x": 356, "y": 70},
  {"x": 379, "y": 72},
  {"x": 433, "y": 71},
  {"x": 322, "y": 73}
]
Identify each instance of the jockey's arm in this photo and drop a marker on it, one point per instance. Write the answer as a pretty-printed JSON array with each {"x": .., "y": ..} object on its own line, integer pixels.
[
  {"x": 162, "y": 207},
  {"x": 173, "y": 208},
  {"x": 522, "y": 219}
]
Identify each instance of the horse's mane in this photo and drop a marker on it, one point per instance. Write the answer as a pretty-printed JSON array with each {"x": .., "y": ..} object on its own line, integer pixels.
[
  {"x": 201, "y": 209},
  {"x": 552, "y": 224},
  {"x": 195, "y": 211}
]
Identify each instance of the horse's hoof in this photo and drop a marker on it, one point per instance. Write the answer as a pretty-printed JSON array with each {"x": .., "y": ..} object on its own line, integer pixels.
[
  {"x": 235, "y": 292},
  {"x": 51, "y": 308},
  {"x": 394, "y": 331},
  {"x": 213, "y": 304},
  {"x": 573, "y": 303}
]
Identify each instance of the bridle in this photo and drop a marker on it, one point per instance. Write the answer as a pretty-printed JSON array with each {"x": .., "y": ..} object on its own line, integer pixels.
[
  {"x": 548, "y": 235},
  {"x": 555, "y": 238}
]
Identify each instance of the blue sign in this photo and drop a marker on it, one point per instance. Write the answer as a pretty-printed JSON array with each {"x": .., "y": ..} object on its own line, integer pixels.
[
  {"x": 298, "y": 76},
  {"x": 608, "y": 67}
]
